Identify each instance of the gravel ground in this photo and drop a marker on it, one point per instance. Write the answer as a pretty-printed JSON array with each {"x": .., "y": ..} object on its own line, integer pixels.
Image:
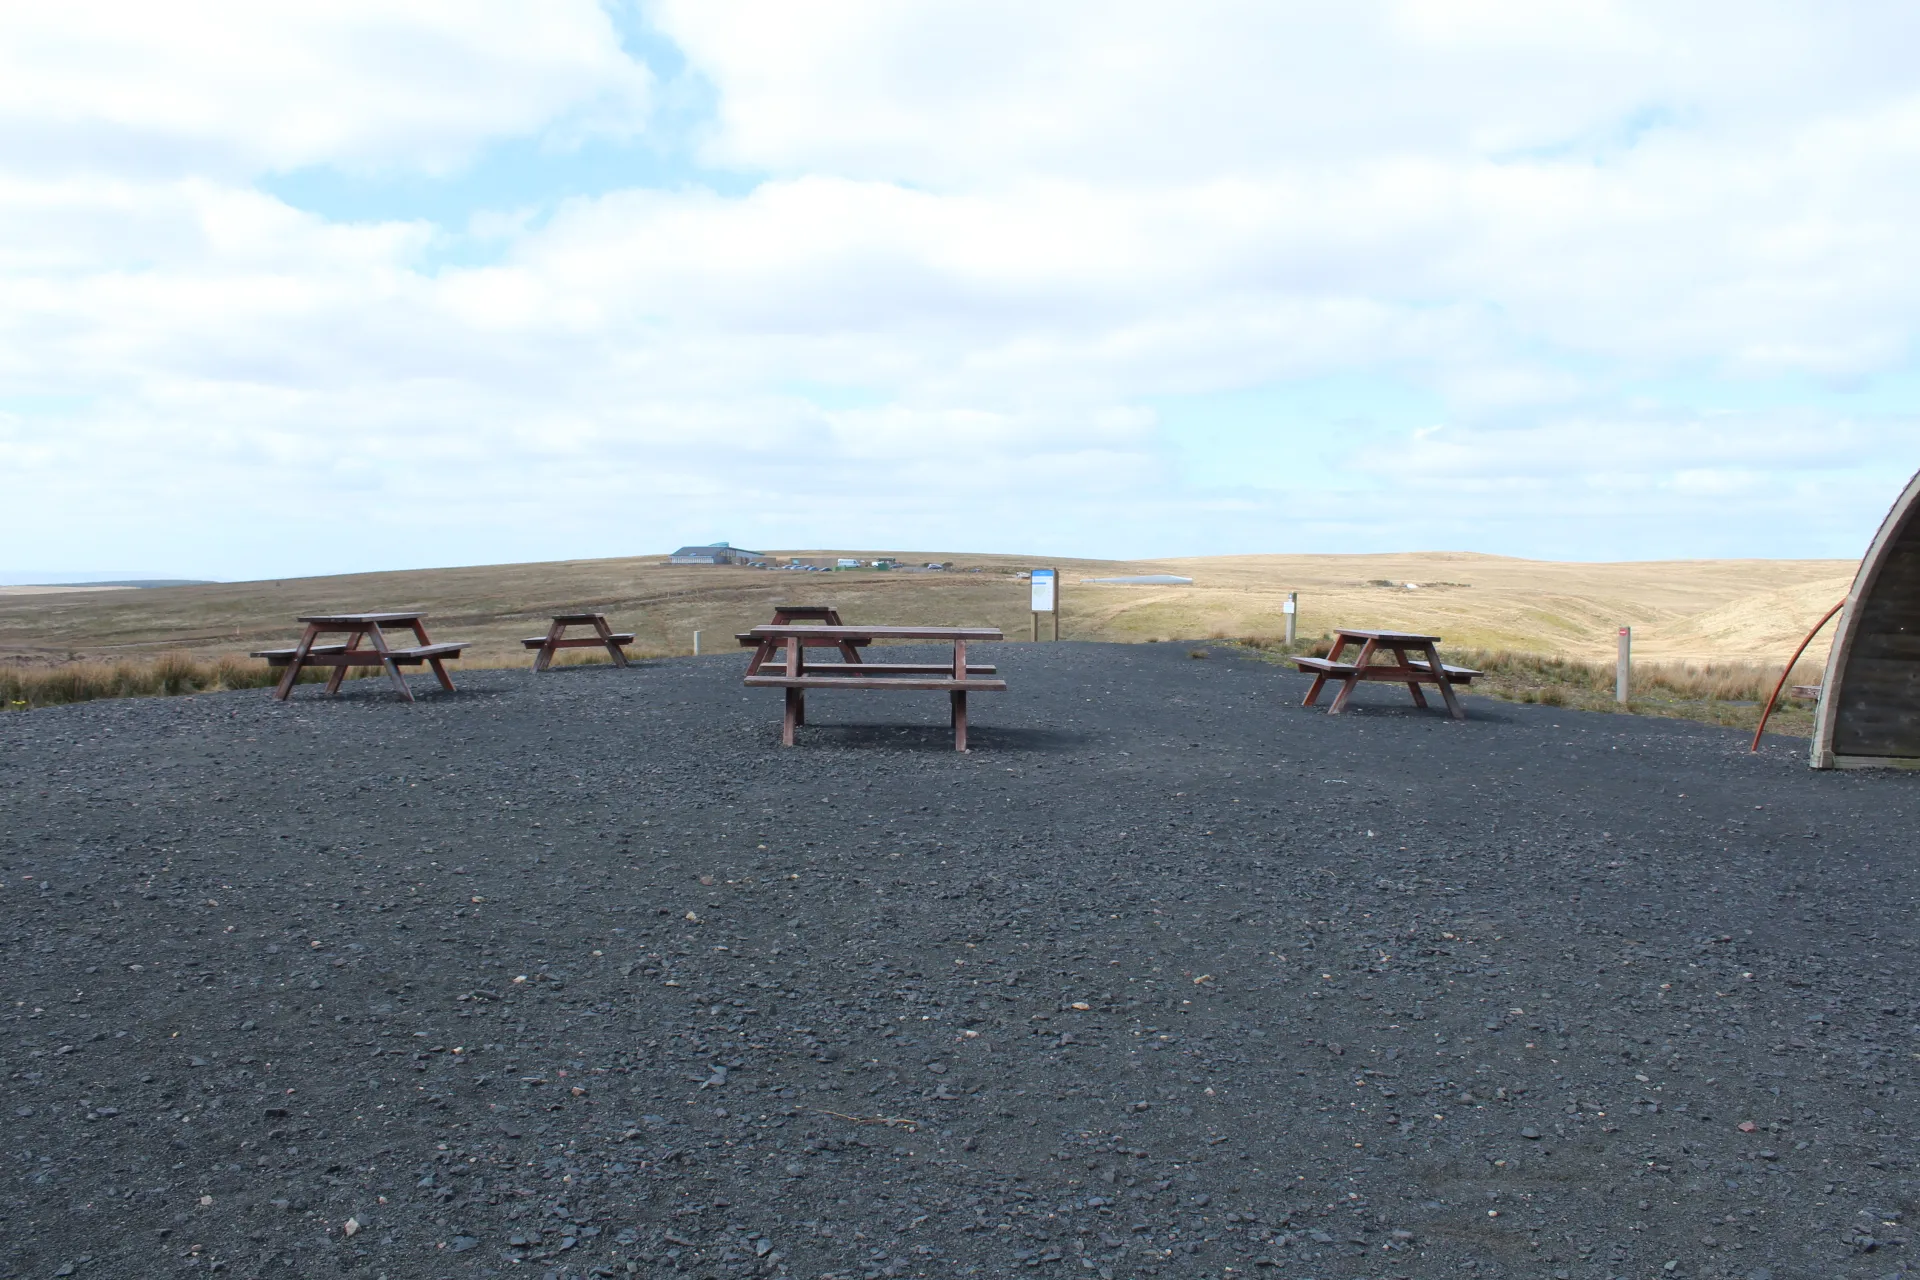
[{"x": 583, "y": 975}]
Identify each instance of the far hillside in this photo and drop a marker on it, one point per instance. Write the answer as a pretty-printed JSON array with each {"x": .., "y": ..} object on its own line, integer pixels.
[{"x": 1682, "y": 610}]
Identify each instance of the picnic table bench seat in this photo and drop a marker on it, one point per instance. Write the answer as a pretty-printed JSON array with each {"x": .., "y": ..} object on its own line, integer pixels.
[
  {"x": 281, "y": 657},
  {"x": 812, "y": 681},
  {"x": 319, "y": 654},
  {"x": 1327, "y": 665},
  {"x": 1455, "y": 675},
  {"x": 579, "y": 642},
  {"x": 747, "y": 640},
  {"x": 892, "y": 668}
]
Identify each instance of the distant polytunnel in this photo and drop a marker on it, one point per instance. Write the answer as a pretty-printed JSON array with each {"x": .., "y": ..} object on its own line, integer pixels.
[{"x": 1869, "y": 715}]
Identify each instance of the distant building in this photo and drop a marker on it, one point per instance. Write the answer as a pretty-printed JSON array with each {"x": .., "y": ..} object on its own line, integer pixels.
[{"x": 715, "y": 553}]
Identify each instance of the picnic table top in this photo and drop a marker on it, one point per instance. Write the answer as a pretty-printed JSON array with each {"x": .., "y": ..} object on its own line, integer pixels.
[
  {"x": 577, "y": 617},
  {"x": 1403, "y": 637},
  {"x": 774, "y": 631},
  {"x": 359, "y": 619}
]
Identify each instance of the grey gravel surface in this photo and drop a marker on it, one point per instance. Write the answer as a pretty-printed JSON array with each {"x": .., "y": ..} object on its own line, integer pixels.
[{"x": 583, "y": 975}]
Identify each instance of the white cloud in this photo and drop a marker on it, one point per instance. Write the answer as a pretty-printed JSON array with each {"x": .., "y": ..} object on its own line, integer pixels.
[
  {"x": 234, "y": 86},
  {"x": 991, "y": 235}
]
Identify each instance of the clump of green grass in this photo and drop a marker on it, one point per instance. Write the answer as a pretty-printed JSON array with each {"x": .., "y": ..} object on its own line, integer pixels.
[
  {"x": 1723, "y": 693},
  {"x": 24, "y": 688}
]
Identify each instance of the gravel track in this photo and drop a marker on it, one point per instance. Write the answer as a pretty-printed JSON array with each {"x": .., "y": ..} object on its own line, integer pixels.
[{"x": 582, "y": 975}]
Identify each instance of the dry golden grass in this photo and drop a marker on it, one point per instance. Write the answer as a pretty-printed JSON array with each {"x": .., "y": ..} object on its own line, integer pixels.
[
  {"x": 1681, "y": 611},
  {"x": 22, "y": 688}
]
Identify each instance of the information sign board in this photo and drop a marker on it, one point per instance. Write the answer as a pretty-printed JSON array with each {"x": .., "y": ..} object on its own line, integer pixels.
[{"x": 1044, "y": 584}]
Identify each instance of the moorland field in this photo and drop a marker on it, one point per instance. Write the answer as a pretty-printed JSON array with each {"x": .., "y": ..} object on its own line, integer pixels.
[{"x": 1682, "y": 611}]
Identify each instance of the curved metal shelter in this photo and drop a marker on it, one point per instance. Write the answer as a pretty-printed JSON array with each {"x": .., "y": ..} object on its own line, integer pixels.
[{"x": 1869, "y": 714}]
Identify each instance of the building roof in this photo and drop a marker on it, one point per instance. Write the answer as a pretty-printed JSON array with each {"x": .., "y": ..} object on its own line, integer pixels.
[{"x": 715, "y": 553}]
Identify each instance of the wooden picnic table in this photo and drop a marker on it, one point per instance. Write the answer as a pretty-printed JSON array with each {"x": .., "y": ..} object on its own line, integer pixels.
[
  {"x": 553, "y": 641},
  {"x": 1412, "y": 672},
  {"x": 783, "y": 614},
  {"x": 797, "y": 674},
  {"x": 358, "y": 627}
]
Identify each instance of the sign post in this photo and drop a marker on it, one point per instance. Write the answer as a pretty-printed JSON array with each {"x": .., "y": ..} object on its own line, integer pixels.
[
  {"x": 1046, "y": 599},
  {"x": 1292, "y": 609},
  {"x": 1623, "y": 671}
]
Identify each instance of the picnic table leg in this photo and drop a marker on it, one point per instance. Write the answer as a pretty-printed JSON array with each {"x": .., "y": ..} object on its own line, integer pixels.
[
  {"x": 544, "y": 657},
  {"x": 1320, "y": 677},
  {"x": 340, "y": 672},
  {"x": 1352, "y": 681},
  {"x": 762, "y": 652},
  {"x": 606, "y": 637},
  {"x": 379, "y": 642},
  {"x": 433, "y": 664},
  {"x": 796, "y": 708},
  {"x": 1446, "y": 685},
  {"x": 959, "y": 696},
  {"x": 1413, "y": 686},
  {"x": 284, "y": 689}
]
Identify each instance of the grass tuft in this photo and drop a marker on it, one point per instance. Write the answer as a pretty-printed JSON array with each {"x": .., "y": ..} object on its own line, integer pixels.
[{"x": 24, "y": 688}]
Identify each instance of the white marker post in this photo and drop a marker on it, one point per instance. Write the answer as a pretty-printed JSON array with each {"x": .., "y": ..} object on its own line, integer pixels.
[
  {"x": 696, "y": 644},
  {"x": 1623, "y": 672},
  {"x": 1292, "y": 609},
  {"x": 1046, "y": 599}
]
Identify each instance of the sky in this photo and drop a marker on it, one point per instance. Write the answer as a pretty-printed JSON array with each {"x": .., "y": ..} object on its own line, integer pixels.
[{"x": 395, "y": 283}]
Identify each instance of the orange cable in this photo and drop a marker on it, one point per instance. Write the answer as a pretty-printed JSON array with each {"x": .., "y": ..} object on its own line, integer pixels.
[{"x": 1762, "y": 727}]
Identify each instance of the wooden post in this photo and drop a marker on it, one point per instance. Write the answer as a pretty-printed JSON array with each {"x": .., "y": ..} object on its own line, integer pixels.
[
  {"x": 1292, "y": 609},
  {"x": 1623, "y": 671},
  {"x": 1056, "y": 604}
]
